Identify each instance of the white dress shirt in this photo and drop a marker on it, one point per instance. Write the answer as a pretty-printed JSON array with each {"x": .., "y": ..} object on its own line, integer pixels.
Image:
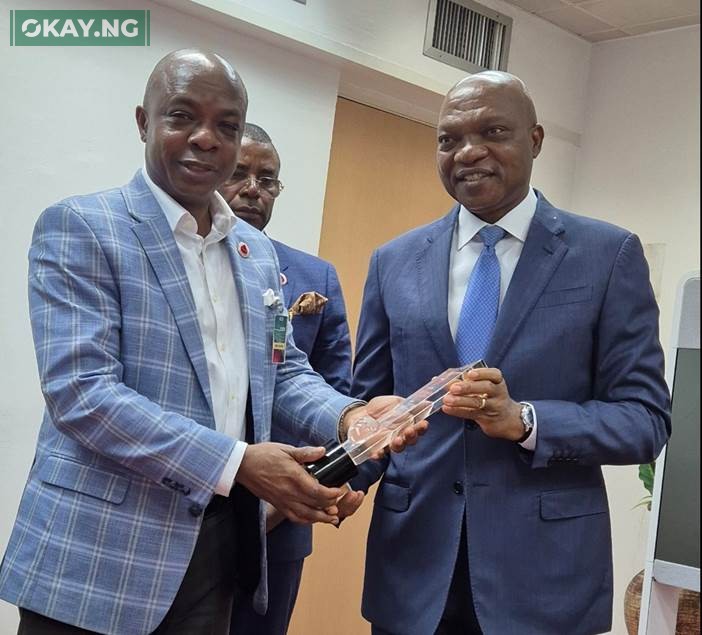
[
  {"x": 465, "y": 251},
  {"x": 214, "y": 292}
]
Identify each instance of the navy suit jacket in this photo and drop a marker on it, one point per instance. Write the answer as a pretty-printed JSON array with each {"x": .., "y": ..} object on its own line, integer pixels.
[
  {"x": 577, "y": 336},
  {"x": 324, "y": 337}
]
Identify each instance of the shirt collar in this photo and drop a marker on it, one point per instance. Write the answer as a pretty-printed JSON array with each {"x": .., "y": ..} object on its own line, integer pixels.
[
  {"x": 180, "y": 219},
  {"x": 516, "y": 222}
]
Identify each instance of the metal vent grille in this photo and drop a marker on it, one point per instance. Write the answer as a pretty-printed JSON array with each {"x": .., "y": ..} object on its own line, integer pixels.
[{"x": 467, "y": 35}]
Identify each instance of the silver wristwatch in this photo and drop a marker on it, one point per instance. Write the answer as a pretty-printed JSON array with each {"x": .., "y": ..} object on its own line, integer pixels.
[{"x": 527, "y": 416}]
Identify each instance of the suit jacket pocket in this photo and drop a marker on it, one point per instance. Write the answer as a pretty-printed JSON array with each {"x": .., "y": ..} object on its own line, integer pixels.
[
  {"x": 78, "y": 477},
  {"x": 572, "y": 503},
  {"x": 565, "y": 296},
  {"x": 393, "y": 497}
]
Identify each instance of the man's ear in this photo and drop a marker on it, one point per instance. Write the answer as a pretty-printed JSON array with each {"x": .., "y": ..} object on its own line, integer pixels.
[
  {"x": 537, "y": 138},
  {"x": 142, "y": 120}
]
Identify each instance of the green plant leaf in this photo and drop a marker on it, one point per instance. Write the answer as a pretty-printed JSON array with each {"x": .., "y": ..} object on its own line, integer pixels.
[
  {"x": 647, "y": 473},
  {"x": 644, "y": 502}
]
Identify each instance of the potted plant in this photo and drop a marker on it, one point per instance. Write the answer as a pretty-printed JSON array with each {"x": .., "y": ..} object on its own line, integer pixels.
[
  {"x": 689, "y": 603},
  {"x": 647, "y": 472}
]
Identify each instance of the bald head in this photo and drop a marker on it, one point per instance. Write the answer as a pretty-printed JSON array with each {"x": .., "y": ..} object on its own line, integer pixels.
[
  {"x": 179, "y": 66},
  {"x": 191, "y": 121},
  {"x": 488, "y": 137},
  {"x": 508, "y": 86}
]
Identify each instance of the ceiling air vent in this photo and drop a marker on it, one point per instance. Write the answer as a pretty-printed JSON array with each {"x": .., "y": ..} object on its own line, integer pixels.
[{"x": 467, "y": 35}]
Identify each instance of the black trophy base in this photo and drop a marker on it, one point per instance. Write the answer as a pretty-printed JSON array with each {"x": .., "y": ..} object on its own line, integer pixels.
[{"x": 335, "y": 468}]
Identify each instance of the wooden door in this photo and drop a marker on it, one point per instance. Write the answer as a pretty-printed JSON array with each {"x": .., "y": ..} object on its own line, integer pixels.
[{"x": 382, "y": 181}]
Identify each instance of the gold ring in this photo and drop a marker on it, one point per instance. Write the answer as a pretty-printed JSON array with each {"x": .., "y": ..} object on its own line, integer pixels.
[{"x": 483, "y": 401}]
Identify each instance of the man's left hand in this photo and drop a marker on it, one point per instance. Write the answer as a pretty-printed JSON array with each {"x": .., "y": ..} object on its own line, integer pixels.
[
  {"x": 482, "y": 396},
  {"x": 376, "y": 408}
]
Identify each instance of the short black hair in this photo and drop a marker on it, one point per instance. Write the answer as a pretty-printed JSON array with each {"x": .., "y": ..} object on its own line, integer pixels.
[{"x": 256, "y": 133}]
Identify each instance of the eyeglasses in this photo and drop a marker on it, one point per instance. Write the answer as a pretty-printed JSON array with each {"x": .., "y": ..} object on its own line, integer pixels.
[{"x": 266, "y": 183}]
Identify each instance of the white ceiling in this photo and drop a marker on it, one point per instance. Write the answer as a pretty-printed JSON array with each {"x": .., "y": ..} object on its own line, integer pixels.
[{"x": 599, "y": 20}]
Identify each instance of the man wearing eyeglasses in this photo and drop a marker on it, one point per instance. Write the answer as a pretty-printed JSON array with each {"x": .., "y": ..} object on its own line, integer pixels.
[{"x": 312, "y": 292}]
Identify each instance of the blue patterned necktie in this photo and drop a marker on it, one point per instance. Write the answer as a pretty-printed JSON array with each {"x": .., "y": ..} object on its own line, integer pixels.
[{"x": 482, "y": 300}]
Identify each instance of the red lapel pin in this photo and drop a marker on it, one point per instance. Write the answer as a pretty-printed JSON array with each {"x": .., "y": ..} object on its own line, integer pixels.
[{"x": 243, "y": 250}]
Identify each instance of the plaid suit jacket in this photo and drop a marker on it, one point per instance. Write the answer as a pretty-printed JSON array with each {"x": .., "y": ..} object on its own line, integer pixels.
[
  {"x": 324, "y": 337},
  {"x": 128, "y": 456}
]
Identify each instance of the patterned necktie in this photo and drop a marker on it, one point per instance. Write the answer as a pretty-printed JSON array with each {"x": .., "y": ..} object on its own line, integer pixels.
[{"x": 482, "y": 300}]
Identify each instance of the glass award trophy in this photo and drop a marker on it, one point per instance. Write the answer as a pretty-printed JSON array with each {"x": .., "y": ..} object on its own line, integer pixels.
[{"x": 367, "y": 437}]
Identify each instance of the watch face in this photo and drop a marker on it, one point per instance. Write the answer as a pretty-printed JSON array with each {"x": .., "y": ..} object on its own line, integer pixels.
[{"x": 527, "y": 416}]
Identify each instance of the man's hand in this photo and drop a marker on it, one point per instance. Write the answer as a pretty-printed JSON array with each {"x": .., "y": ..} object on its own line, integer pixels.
[
  {"x": 376, "y": 408},
  {"x": 349, "y": 503},
  {"x": 483, "y": 397},
  {"x": 273, "y": 472}
]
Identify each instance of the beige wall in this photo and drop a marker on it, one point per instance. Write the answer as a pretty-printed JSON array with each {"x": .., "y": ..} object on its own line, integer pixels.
[{"x": 639, "y": 167}]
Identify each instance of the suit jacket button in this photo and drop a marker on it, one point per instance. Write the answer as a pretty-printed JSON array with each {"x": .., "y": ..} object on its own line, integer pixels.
[
  {"x": 458, "y": 488},
  {"x": 195, "y": 509}
]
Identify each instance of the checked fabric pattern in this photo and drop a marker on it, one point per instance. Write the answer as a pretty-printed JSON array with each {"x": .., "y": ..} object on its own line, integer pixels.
[
  {"x": 128, "y": 456},
  {"x": 482, "y": 300}
]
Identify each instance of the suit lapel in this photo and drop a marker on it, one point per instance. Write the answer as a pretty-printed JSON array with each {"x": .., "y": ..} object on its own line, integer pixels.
[
  {"x": 289, "y": 287},
  {"x": 157, "y": 240},
  {"x": 542, "y": 253},
  {"x": 433, "y": 265},
  {"x": 253, "y": 314}
]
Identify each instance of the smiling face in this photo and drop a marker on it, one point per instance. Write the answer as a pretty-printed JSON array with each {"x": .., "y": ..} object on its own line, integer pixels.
[
  {"x": 191, "y": 121},
  {"x": 487, "y": 140},
  {"x": 249, "y": 201}
]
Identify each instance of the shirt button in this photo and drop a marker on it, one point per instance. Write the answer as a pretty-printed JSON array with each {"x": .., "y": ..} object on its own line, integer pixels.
[{"x": 458, "y": 488}]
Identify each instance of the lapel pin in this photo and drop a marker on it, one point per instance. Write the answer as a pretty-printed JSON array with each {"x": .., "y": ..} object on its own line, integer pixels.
[
  {"x": 283, "y": 279},
  {"x": 270, "y": 299},
  {"x": 243, "y": 250}
]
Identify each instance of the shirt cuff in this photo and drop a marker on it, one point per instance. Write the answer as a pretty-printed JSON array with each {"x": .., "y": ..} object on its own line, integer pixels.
[
  {"x": 226, "y": 478},
  {"x": 530, "y": 442}
]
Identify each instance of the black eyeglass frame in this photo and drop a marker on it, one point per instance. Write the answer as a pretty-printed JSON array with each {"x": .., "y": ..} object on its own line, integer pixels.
[{"x": 264, "y": 183}]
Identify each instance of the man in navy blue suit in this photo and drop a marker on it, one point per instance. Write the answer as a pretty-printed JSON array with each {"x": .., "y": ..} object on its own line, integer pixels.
[
  {"x": 498, "y": 522},
  {"x": 312, "y": 292}
]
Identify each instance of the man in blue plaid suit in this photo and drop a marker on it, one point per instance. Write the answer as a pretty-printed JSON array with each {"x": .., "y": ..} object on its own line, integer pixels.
[{"x": 152, "y": 312}]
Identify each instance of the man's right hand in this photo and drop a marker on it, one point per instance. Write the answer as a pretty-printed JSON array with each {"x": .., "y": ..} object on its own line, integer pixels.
[
  {"x": 349, "y": 503},
  {"x": 273, "y": 472}
]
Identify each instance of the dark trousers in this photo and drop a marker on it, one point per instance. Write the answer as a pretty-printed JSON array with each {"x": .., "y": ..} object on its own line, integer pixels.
[
  {"x": 458, "y": 617},
  {"x": 204, "y": 601},
  {"x": 283, "y": 585}
]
